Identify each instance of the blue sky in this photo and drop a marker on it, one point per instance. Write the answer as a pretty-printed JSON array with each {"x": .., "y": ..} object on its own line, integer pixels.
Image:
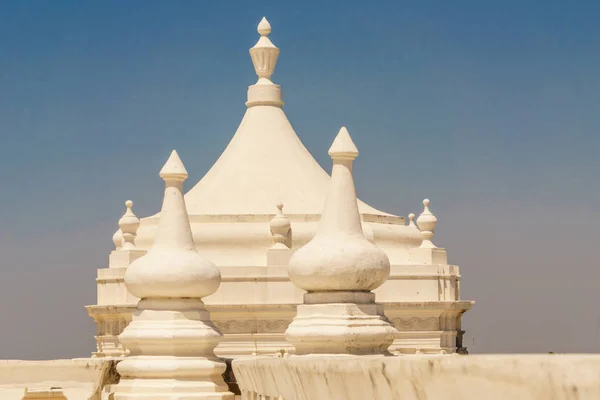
[{"x": 489, "y": 109}]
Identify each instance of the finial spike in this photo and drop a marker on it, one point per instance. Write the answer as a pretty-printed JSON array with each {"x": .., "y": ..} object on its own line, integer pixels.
[
  {"x": 426, "y": 223},
  {"x": 343, "y": 147},
  {"x": 264, "y": 27},
  {"x": 129, "y": 225},
  {"x": 174, "y": 168}
]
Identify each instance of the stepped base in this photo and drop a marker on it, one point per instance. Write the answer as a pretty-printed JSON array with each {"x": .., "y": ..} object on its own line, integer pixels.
[
  {"x": 170, "y": 389},
  {"x": 340, "y": 328},
  {"x": 171, "y": 343}
]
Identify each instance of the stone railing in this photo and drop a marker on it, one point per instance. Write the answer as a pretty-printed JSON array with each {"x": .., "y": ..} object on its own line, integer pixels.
[
  {"x": 77, "y": 379},
  {"x": 450, "y": 377}
]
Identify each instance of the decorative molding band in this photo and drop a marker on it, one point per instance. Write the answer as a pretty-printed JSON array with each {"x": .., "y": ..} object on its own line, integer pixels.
[
  {"x": 380, "y": 219},
  {"x": 416, "y": 324},
  {"x": 252, "y": 326}
]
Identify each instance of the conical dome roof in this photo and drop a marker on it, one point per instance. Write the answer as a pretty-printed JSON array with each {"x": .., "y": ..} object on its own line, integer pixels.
[{"x": 266, "y": 164}]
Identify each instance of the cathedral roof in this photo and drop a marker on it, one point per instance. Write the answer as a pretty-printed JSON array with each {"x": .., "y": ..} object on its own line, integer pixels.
[{"x": 265, "y": 162}]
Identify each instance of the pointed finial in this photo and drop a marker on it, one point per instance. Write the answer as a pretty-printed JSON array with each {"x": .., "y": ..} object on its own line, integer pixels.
[
  {"x": 339, "y": 267},
  {"x": 411, "y": 219},
  {"x": 339, "y": 257},
  {"x": 343, "y": 147},
  {"x": 264, "y": 54},
  {"x": 264, "y": 27},
  {"x": 174, "y": 170},
  {"x": 280, "y": 228},
  {"x": 426, "y": 223},
  {"x": 172, "y": 267},
  {"x": 118, "y": 239},
  {"x": 129, "y": 225}
]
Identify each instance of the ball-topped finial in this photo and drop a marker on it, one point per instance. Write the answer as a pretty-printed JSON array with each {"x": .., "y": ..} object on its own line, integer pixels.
[
  {"x": 129, "y": 225},
  {"x": 426, "y": 223},
  {"x": 264, "y": 27},
  {"x": 411, "y": 220},
  {"x": 280, "y": 228}
]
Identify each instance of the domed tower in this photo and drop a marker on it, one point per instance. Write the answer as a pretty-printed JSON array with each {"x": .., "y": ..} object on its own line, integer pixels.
[{"x": 259, "y": 203}]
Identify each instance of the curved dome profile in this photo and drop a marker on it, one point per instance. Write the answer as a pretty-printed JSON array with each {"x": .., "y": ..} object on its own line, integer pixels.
[{"x": 266, "y": 163}]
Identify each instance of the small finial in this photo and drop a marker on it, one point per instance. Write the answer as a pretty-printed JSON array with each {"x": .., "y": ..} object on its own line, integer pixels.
[
  {"x": 280, "y": 228},
  {"x": 118, "y": 239},
  {"x": 174, "y": 170},
  {"x": 411, "y": 219},
  {"x": 264, "y": 27},
  {"x": 343, "y": 147},
  {"x": 426, "y": 223},
  {"x": 129, "y": 225},
  {"x": 264, "y": 54}
]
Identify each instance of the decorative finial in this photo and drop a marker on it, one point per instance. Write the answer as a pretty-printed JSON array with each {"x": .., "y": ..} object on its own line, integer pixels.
[
  {"x": 264, "y": 54},
  {"x": 129, "y": 225},
  {"x": 411, "y": 219},
  {"x": 264, "y": 27},
  {"x": 340, "y": 257},
  {"x": 174, "y": 169},
  {"x": 118, "y": 239},
  {"x": 343, "y": 147},
  {"x": 339, "y": 268},
  {"x": 171, "y": 338},
  {"x": 173, "y": 249},
  {"x": 280, "y": 228},
  {"x": 427, "y": 222}
]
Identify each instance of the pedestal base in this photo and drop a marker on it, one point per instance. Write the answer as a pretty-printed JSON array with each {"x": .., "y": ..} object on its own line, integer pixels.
[
  {"x": 170, "y": 389},
  {"x": 340, "y": 328},
  {"x": 171, "y": 343}
]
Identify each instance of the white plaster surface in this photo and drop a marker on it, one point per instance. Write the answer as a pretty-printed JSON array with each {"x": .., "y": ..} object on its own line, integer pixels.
[
  {"x": 489, "y": 377},
  {"x": 78, "y": 379},
  {"x": 235, "y": 223},
  {"x": 338, "y": 268},
  {"x": 171, "y": 339}
]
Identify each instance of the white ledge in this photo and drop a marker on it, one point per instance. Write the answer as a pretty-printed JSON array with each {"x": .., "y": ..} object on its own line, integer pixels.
[{"x": 448, "y": 377}]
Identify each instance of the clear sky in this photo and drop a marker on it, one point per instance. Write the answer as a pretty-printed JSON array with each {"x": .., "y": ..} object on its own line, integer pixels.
[{"x": 490, "y": 109}]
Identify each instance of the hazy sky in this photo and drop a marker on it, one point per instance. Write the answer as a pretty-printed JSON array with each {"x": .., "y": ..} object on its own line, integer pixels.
[{"x": 490, "y": 110}]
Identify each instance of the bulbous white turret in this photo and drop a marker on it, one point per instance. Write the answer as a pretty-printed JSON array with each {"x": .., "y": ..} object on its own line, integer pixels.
[
  {"x": 172, "y": 267},
  {"x": 339, "y": 257}
]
